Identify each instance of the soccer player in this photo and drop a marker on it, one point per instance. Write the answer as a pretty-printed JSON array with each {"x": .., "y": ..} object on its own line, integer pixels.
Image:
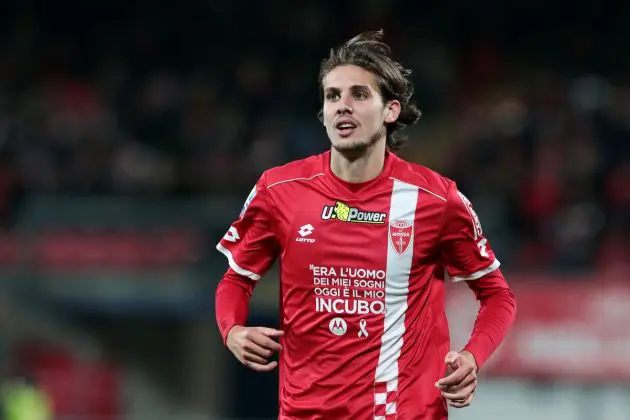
[{"x": 366, "y": 242}]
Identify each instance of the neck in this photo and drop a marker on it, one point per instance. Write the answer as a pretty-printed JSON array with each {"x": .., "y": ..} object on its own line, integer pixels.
[{"x": 357, "y": 167}]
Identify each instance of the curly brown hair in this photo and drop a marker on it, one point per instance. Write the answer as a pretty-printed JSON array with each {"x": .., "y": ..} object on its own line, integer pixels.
[{"x": 366, "y": 50}]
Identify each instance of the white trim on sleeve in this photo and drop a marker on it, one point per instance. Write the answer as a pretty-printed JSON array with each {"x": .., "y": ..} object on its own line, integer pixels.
[
  {"x": 223, "y": 250},
  {"x": 474, "y": 276}
]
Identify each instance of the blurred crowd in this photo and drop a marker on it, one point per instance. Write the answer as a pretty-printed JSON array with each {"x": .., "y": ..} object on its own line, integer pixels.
[
  {"x": 525, "y": 105},
  {"x": 201, "y": 99}
]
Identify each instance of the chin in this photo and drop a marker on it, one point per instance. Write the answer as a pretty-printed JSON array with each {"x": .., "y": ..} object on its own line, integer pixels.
[{"x": 349, "y": 144}]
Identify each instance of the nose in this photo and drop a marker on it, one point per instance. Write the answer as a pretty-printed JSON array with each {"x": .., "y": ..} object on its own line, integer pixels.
[
  {"x": 344, "y": 108},
  {"x": 344, "y": 105}
]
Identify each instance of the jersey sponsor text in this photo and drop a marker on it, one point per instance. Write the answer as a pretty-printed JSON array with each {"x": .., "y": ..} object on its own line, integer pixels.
[
  {"x": 348, "y": 290},
  {"x": 345, "y": 213}
]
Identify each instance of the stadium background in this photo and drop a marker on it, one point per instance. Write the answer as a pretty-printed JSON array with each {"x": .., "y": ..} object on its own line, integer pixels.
[{"x": 130, "y": 136}]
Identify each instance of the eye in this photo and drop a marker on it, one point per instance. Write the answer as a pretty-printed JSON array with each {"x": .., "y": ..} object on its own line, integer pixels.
[
  {"x": 360, "y": 95},
  {"x": 332, "y": 96}
]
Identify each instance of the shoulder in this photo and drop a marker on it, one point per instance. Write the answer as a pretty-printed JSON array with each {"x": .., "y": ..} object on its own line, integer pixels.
[
  {"x": 427, "y": 180},
  {"x": 297, "y": 170}
]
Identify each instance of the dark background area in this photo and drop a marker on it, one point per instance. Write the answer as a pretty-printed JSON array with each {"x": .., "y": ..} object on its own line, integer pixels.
[{"x": 130, "y": 135}]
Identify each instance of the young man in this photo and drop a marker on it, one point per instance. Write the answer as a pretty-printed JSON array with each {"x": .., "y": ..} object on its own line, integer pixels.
[{"x": 366, "y": 242}]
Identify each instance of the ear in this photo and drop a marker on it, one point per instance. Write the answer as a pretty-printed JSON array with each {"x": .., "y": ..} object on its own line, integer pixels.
[
  {"x": 320, "y": 115},
  {"x": 392, "y": 111}
]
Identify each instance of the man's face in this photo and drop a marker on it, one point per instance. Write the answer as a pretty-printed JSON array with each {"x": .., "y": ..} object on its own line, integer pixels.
[{"x": 354, "y": 113}]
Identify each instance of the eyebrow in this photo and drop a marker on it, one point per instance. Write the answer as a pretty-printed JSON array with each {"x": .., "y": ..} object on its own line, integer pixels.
[{"x": 353, "y": 87}]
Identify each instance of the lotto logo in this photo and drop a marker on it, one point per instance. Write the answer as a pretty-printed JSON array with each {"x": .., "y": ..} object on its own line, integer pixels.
[
  {"x": 232, "y": 235},
  {"x": 306, "y": 230}
]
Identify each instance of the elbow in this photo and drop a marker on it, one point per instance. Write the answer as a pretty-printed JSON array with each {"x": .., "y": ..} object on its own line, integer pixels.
[
  {"x": 494, "y": 293},
  {"x": 232, "y": 279},
  {"x": 503, "y": 300},
  {"x": 504, "y": 294}
]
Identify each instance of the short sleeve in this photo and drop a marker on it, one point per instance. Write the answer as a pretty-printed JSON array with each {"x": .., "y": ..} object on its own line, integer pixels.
[
  {"x": 250, "y": 243},
  {"x": 464, "y": 250}
]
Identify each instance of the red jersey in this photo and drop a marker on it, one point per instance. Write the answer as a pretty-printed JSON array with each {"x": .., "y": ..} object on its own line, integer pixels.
[{"x": 362, "y": 270}]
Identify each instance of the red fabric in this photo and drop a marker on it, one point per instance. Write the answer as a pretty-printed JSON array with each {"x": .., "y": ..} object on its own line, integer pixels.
[
  {"x": 569, "y": 328},
  {"x": 361, "y": 271},
  {"x": 232, "y": 301},
  {"x": 496, "y": 315},
  {"x": 465, "y": 252}
]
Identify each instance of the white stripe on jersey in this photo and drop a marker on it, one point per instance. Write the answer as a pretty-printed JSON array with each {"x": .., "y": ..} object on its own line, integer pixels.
[
  {"x": 235, "y": 266},
  {"x": 423, "y": 189},
  {"x": 474, "y": 276},
  {"x": 295, "y": 179},
  {"x": 402, "y": 208}
]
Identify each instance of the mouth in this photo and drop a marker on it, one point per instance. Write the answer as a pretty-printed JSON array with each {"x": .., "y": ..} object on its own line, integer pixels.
[{"x": 345, "y": 127}]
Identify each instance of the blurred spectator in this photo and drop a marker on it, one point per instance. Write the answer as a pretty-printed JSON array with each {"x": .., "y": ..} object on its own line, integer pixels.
[{"x": 161, "y": 109}]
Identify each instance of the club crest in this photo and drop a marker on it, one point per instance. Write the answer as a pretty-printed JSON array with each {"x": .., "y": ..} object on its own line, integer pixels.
[{"x": 400, "y": 235}]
